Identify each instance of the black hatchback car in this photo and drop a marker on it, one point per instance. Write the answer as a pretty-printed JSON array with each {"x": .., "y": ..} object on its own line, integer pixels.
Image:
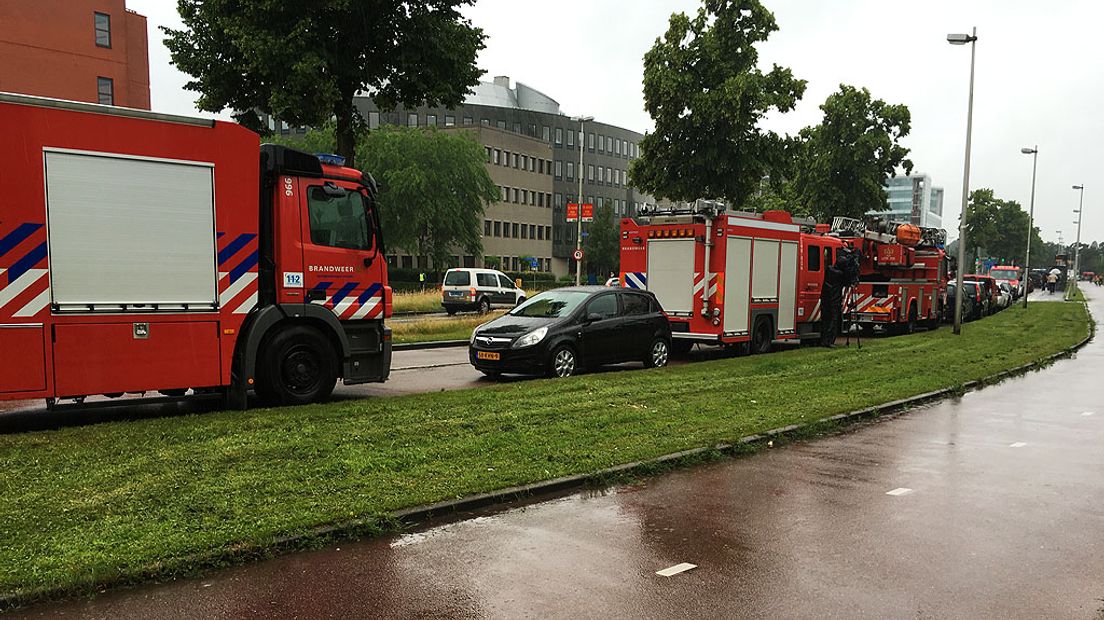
[{"x": 561, "y": 331}]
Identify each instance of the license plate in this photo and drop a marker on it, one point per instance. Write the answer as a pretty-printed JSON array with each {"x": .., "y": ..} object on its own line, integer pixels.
[
  {"x": 455, "y": 293},
  {"x": 488, "y": 355}
]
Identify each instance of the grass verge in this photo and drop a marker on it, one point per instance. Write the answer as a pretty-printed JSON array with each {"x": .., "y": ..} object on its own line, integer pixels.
[
  {"x": 83, "y": 508},
  {"x": 432, "y": 330},
  {"x": 417, "y": 301},
  {"x": 1075, "y": 293}
]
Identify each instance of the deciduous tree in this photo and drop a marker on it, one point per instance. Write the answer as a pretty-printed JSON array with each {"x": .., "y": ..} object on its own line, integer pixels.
[
  {"x": 707, "y": 96},
  {"x": 843, "y": 162},
  {"x": 303, "y": 62},
  {"x": 603, "y": 246}
]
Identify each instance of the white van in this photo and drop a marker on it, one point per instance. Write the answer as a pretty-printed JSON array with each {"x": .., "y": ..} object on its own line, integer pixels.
[{"x": 478, "y": 289}]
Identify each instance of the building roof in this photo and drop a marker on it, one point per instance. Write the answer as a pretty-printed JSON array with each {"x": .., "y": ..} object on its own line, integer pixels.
[{"x": 499, "y": 94}]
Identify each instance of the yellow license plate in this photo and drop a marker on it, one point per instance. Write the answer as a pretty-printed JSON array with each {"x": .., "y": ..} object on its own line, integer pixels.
[{"x": 487, "y": 355}]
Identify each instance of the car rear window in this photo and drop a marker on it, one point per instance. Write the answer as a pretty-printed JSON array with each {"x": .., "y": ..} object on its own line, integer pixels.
[
  {"x": 505, "y": 282},
  {"x": 458, "y": 278},
  {"x": 487, "y": 279},
  {"x": 634, "y": 304}
]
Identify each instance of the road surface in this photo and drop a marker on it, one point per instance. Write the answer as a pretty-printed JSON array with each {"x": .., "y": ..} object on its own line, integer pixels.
[{"x": 986, "y": 506}]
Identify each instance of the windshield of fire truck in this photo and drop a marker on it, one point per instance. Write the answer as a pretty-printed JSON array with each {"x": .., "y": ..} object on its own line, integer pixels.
[
  {"x": 339, "y": 219},
  {"x": 1005, "y": 274}
]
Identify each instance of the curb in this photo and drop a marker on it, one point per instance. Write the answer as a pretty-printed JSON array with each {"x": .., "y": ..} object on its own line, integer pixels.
[
  {"x": 535, "y": 491},
  {"x": 436, "y": 344}
]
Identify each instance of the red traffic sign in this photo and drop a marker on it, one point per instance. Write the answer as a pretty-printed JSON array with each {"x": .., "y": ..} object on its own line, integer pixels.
[
  {"x": 577, "y": 255},
  {"x": 573, "y": 212}
]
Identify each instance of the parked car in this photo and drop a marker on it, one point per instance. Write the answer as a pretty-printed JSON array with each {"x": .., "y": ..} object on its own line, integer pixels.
[
  {"x": 972, "y": 308},
  {"x": 562, "y": 331},
  {"x": 990, "y": 291},
  {"x": 1004, "y": 296},
  {"x": 478, "y": 289},
  {"x": 613, "y": 282}
]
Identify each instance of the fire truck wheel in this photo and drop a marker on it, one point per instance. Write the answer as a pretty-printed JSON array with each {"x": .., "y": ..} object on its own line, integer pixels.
[
  {"x": 564, "y": 363},
  {"x": 761, "y": 337},
  {"x": 658, "y": 354},
  {"x": 296, "y": 367}
]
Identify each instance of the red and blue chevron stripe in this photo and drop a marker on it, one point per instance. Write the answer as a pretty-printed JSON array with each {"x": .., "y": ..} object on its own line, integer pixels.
[
  {"x": 351, "y": 303},
  {"x": 237, "y": 262},
  {"x": 24, "y": 272}
]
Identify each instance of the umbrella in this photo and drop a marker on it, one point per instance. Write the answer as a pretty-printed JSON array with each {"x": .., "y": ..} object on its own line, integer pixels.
[{"x": 1056, "y": 271}]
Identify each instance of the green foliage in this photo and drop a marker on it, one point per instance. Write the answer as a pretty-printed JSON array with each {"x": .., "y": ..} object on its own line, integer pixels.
[
  {"x": 707, "y": 96},
  {"x": 304, "y": 62},
  {"x": 842, "y": 163},
  {"x": 603, "y": 247},
  {"x": 435, "y": 186},
  {"x": 86, "y": 507},
  {"x": 997, "y": 228}
]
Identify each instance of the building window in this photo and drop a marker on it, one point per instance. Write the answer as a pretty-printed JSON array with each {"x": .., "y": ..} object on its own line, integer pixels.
[
  {"x": 559, "y": 200},
  {"x": 570, "y": 171},
  {"x": 590, "y": 141},
  {"x": 498, "y": 229},
  {"x": 505, "y": 192},
  {"x": 431, "y": 120},
  {"x": 524, "y": 231},
  {"x": 571, "y": 138},
  {"x": 450, "y": 121},
  {"x": 601, "y": 143},
  {"x": 559, "y": 169},
  {"x": 533, "y": 130},
  {"x": 559, "y": 136},
  {"x": 524, "y": 161},
  {"x": 497, "y": 155},
  {"x": 412, "y": 119},
  {"x": 513, "y": 160},
  {"x": 500, "y": 124},
  {"x": 540, "y": 166},
  {"x": 548, "y": 200},
  {"x": 524, "y": 196},
  {"x": 617, "y": 147},
  {"x": 590, "y": 172},
  {"x": 532, "y": 164},
  {"x": 103, "y": 29},
  {"x": 487, "y": 149},
  {"x": 532, "y": 231},
  {"x": 517, "y": 127},
  {"x": 540, "y": 199},
  {"x": 105, "y": 88},
  {"x": 486, "y": 122},
  {"x": 514, "y": 192},
  {"x": 601, "y": 174},
  {"x": 486, "y": 228},
  {"x": 468, "y": 120},
  {"x": 515, "y": 231},
  {"x": 532, "y": 199},
  {"x": 373, "y": 120},
  {"x": 540, "y": 233},
  {"x": 544, "y": 132},
  {"x": 617, "y": 178}
]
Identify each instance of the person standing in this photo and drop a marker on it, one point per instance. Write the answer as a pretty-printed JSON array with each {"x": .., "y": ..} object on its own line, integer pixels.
[{"x": 831, "y": 304}]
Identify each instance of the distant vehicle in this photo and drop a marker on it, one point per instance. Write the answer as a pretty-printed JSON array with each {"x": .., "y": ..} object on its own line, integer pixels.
[
  {"x": 1010, "y": 274},
  {"x": 613, "y": 282},
  {"x": 478, "y": 289},
  {"x": 562, "y": 331},
  {"x": 1004, "y": 297},
  {"x": 989, "y": 292},
  {"x": 972, "y": 308}
]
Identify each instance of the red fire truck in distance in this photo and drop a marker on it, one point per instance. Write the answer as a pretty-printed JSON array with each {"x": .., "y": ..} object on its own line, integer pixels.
[
  {"x": 142, "y": 252},
  {"x": 729, "y": 278},
  {"x": 903, "y": 274}
]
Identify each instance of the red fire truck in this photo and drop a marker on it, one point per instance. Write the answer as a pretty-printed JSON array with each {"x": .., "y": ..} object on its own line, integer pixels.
[
  {"x": 142, "y": 252},
  {"x": 729, "y": 278},
  {"x": 903, "y": 274}
]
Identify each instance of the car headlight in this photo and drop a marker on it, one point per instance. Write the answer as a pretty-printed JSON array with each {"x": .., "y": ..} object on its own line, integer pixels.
[{"x": 531, "y": 338}]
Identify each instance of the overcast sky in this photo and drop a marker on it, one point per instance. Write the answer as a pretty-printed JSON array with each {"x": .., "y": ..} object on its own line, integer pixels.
[{"x": 1037, "y": 82}]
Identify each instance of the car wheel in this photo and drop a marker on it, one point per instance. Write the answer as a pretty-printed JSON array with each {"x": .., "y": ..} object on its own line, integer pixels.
[
  {"x": 564, "y": 363},
  {"x": 484, "y": 305},
  {"x": 297, "y": 366},
  {"x": 658, "y": 354},
  {"x": 761, "y": 337}
]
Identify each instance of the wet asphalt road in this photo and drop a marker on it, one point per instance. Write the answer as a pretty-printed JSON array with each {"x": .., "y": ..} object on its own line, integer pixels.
[{"x": 996, "y": 511}]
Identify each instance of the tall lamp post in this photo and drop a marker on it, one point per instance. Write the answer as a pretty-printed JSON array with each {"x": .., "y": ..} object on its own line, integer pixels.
[
  {"x": 1080, "y": 211},
  {"x": 1034, "y": 153},
  {"x": 963, "y": 39},
  {"x": 579, "y": 199}
]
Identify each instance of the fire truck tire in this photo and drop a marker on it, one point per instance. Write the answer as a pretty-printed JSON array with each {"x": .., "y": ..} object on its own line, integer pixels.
[
  {"x": 297, "y": 366},
  {"x": 680, "y": 346},
  {"x": 658, "y": 354},
  {"x": 761, "y": 336}
]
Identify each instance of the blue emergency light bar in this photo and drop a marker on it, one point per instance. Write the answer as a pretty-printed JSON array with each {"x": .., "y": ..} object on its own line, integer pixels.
[{"x": 330, "y": 159}]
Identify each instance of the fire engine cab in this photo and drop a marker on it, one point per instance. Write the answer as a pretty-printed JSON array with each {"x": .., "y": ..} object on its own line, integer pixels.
[
  {"x": 143, "y": 252},
  {"x": 729, "y": 278}
]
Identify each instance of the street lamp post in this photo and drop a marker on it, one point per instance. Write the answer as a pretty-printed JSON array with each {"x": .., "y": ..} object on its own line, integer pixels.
[
  {"x": 579, "y": 199},
  {"x": 962, "y": 39},
  {"x": 1077, "y": 247},
  {"x": 1034, "y": 153}
]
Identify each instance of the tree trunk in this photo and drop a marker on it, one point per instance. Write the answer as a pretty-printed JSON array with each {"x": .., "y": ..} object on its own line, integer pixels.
[{"x": 346, "y": 131}]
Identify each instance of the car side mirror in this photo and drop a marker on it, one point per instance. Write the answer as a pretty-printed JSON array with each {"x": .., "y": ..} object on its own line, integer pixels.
[{"x": 593, "y": 316}]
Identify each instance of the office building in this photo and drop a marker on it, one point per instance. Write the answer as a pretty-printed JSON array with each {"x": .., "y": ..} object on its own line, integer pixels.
[
  {"x": 524, "y": 111},
  {"x": 82, "y": 50},
  {"x": 913, "y": 200}
]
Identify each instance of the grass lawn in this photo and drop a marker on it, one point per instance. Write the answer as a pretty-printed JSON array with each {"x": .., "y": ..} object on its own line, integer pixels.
[
  {"x": 1075, "y": 293},
  {"x": 433, "y": 329},
  {"x": 86, "y": 507},
  {"x": 417, "y": 301}
]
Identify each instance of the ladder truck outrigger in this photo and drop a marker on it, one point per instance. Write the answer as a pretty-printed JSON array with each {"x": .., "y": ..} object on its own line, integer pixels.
[
  {"x": 903, "y": 274},
  {"x": 734, "y": 279}
]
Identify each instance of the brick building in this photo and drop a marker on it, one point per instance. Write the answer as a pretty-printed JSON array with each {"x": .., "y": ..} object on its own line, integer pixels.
[{"x": 82, "y": 50}]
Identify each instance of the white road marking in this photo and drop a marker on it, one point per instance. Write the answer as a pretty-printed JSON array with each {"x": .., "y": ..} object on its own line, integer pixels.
[
  {"x": 676, "y": 569},
  {"x": 1018, "y": 444},
  {"x": 899, "y": 491}
]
